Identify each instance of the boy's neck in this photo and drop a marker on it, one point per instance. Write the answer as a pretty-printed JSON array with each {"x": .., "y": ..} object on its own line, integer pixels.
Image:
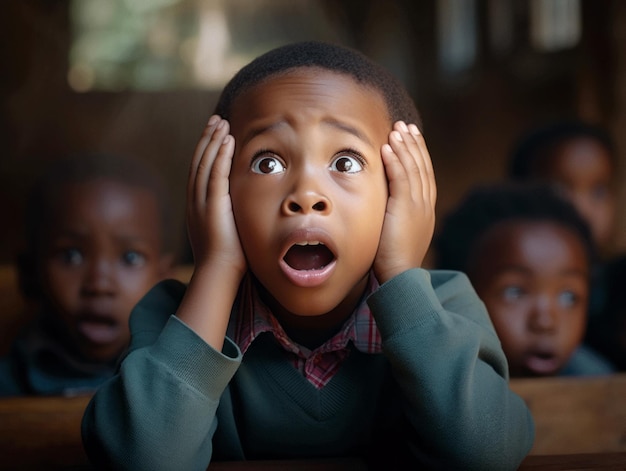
[{"x": 312, "y": 331}]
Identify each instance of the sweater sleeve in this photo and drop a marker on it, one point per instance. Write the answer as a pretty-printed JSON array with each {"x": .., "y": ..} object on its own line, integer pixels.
[
  {"x": 158, "y": 411},
  {"x": 450, "y": 367}
]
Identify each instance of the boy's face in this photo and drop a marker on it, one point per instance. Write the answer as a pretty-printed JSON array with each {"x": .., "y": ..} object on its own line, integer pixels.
[
  {"x": 102, "y": 251},
  {"x": 308, "y": 187},
  {"x": 582, "y": 168},
  {"x": 533, "y": 278}
]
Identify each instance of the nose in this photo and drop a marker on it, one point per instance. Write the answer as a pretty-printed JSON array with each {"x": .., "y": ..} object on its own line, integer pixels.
[
  {"x": 99, "y": 278},
  {"x": 545, "y": 316},
  {"x": 307, "y": 196}
]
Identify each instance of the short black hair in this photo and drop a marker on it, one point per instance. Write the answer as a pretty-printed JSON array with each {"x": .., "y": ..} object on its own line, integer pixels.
[
  {"x": 83, "y": 167},
  {"x": 324, "y": 55},
  {"x": 487, "y": 205},
  {"x": 540, "y": 142}
]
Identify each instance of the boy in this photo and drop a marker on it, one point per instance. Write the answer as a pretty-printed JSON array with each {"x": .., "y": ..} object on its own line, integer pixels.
[
  {"x": 303, "y": 198},
  {"x": 580, "y": 160},
  {"x": 528, "y": 253},
  {"x": 96, "y": 242}
]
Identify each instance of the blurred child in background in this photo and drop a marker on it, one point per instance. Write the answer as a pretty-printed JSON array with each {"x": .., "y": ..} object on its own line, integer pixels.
[
  {"x": 580, "y": 160},
  {"x": 528, "y": 253},
  {"x": 96, "y": 233}
]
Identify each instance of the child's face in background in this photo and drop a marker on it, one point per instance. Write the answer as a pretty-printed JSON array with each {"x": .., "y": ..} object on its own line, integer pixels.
[
  {"x": 308, "y": 187},
  {"x": 102, "y": 252},
  {"x": 533, "y": 278},
  {"x": 582, "y": 167}
]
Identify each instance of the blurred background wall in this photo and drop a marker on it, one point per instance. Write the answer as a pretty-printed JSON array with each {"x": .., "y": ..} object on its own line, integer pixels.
[{"x": 140, "y": 77}]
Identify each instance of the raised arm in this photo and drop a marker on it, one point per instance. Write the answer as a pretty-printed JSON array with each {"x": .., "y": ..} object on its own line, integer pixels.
[
  {"x": 437, "y": 335},
  {"x": 218, "y": 256},
  {"x": 159, "y": 411},
  {"x": 447, "y": 360},
  {"x": 410, "y": 217}
]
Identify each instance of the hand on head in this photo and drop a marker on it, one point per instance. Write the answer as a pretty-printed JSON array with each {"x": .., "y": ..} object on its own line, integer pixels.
[
  {"x": 210, "y": 222},
  {"x": 410, "y": 217},
  {"x": 409, "y": 220}
]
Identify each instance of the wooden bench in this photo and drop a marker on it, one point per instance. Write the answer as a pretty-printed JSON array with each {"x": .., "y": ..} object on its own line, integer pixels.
[
  {"x": 41, "y": 432},
  {"x": 576, "y": 415},
  {"x": 573, "y": 416}
]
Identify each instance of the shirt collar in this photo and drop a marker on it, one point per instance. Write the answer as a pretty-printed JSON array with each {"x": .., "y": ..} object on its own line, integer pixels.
[{"x": 252, "y": 317}]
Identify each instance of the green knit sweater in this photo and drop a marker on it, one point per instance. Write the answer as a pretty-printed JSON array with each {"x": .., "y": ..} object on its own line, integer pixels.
[{"x": 438, "y": 394}]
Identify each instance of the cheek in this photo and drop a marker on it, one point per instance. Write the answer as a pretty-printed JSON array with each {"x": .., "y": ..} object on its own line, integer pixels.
[
  {"x": 251, "y": 203},
  {"x": 575, "y": 328},
  {"x": 135, "y": 284},
  {"x": 510, "y": 329},
  {"x": 510, "y": 325},
  {"x": 252, "y": 218},
  {"x": 374, "y": 205},
  {"x": 60, "y": 285},
  {"x": 362, "y": 220}
]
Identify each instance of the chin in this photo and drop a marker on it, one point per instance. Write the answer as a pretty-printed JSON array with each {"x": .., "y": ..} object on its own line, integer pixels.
[
  {"x": 307, "y": 308},
  {"x": 306, "y": 302}
]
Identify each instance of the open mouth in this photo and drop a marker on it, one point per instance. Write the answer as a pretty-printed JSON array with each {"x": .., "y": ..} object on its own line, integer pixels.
[
  {"x": 311, "y": 255},
  {"x": 98, "y": 329},
  {"x": 543, "y": 363}
]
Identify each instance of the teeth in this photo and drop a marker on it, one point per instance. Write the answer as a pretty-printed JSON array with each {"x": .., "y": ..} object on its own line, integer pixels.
[{"x": 311, "y": 242}]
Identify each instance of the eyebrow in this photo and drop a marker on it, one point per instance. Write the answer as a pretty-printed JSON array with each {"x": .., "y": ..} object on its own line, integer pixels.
[
  {"x": 260, "y": 130},
  {"x": 328, "y": 121},
  {"x": 349, "y": 129},
  {"x": 526, "y": 271},
  {"x": 74, "y": 235}
]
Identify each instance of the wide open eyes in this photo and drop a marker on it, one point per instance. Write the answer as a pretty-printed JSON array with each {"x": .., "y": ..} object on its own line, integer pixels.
[
  {"x": 347, "y": 164},
  {"x": 568, "y": 299},
  {"x": 344, "y": 162},
  {"x": 71, "y": 256},
  {"x": 133, "y": 258},
  {"x": 267, "y": 165},
  {"x": 512, "y": 293}
]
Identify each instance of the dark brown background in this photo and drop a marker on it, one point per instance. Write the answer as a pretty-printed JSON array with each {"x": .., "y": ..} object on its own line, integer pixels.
[{"x": 470, "y": 125}]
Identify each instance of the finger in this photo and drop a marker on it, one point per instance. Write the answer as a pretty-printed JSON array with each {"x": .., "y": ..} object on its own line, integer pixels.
[
  {"x": 419, "y": 182},
  {"x": 428, "y": 174},
  {"x": 405, "y": 147},
  {"x": 207, "y": 160},
  {"x": 417, "y": 148},
  {"x": 201, "y": 146},
  {"x": 396, "y": 175},
  {"x": 220, "y": 172}
]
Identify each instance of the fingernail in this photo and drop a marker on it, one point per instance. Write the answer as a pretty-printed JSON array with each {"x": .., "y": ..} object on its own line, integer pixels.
[
  {"x": 397, "y": 136},
  {"x": 403, "y": 126},
  {"x": 414, "y": 129},
  {"x": 213, "y": 119}
]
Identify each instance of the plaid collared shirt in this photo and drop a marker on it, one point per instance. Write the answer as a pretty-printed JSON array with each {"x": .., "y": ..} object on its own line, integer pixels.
[{"x": 320, "y": 365}]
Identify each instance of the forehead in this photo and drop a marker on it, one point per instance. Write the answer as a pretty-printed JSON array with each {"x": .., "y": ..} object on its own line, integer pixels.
[
  {"x": 534, "y": 243},
  {"x": 102, "y": 188},
  {"x": 101, "y": 197},
  {"x": 581, "y": 154},
  {"x": 309, "y": 90}
]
